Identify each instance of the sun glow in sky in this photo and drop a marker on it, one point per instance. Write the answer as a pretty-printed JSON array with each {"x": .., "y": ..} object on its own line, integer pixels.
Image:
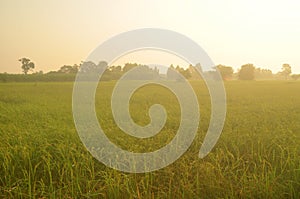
[{"x": 233, "y": 32}]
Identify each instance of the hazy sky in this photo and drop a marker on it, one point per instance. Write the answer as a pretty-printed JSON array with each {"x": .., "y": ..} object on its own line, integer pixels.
[{"x": 233, "y": 32}]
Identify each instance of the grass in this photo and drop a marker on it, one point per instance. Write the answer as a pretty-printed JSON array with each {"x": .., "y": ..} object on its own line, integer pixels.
[{"x": 257, "y": 155}]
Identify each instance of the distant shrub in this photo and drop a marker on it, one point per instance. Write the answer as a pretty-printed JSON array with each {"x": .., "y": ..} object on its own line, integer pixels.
[{"x": 37, "y": 77}]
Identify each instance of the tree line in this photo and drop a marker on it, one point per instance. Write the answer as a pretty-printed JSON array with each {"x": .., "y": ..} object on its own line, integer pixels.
[
  {"x": 250, "y": 72},
  {"x": 68, "y": 72}
]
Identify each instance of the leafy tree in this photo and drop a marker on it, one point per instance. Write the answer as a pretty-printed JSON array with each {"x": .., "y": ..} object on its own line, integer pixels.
[
  {"x": 69, "y": 69},
  {"x": 286, "y": 70},
  {"x": 226, "y": 71},
  {"x": 129, "y": 66},
  {"x": 65, "y": 69},
  {"x": 246, "y": 72},
  {"x": 115, "y": 69},
  {"x": 172, "y": 74},
  {"x": 90, "y": 67},
  {"x": 184, "y": 72},
  {"x": 75, "y": 68},
  {"x": 295, "y": 76},
  {"x": 194, "y": 72},
  {"x": 263, "y": 73},
  {"x": 113, "y": 72},
  {"x": 27, "y": 65}
]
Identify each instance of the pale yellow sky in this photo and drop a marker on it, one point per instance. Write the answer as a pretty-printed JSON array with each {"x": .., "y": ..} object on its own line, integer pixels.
[{"x": 233, "y": 32}]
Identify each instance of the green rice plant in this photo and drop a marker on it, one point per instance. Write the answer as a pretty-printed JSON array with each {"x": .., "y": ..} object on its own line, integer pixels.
[{"x": 257, "y": 155}]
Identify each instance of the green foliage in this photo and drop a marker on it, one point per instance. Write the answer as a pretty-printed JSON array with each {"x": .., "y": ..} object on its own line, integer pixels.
[
  {"x": 246, "y": 72},
  {"x": 27, "y": 65},
  {"x": 295, "y": 76},
  {"x": 195, "y": 75},
  {"x": 226, "y": 71},
  {"x": 172, "y": 73},
  {"x": 68, "y": 73},
  {"x": 68, "y": 69},
  {"x": 184, "y": 72},
  {"x": 286, "y": 70},
  {"x": 37, "y": 77},
  {"x": 129, "y": 66},
  {"x": 257, "y": 156},
  {"x": 263, "y": 74}
]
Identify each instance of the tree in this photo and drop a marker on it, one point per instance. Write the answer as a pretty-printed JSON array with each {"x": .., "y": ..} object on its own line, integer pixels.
[
  {"x": 115, "y": 69},
  {"x": 184, "y": 72},
  {"x": 226, "y": 71},
  {"x": 263, "y": 73},
  {"x": 129, "y": 66},
  {"x": 286, "y": 70},
  {"x": 27, "y": 65},
  {"x": 195, "y": 74},
  {"x": 114, "y": 72},
  {"x": 88, "y": 67},
  {"x": 295, "y": 76},
  {"x": 69, "y": 69},
  {"x": 246, "y": 72},
  {"x": 172, "y": 74}
]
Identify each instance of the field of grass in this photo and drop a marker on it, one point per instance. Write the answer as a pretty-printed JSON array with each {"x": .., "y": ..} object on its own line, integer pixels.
[{"x": 257, "y": 155}]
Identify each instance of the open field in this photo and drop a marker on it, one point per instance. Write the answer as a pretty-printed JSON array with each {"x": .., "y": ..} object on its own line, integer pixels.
[{"x": 257, "y": 155}]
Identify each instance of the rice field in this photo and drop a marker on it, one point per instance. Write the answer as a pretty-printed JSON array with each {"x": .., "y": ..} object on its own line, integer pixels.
[{"x": 257, "y": 155}]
